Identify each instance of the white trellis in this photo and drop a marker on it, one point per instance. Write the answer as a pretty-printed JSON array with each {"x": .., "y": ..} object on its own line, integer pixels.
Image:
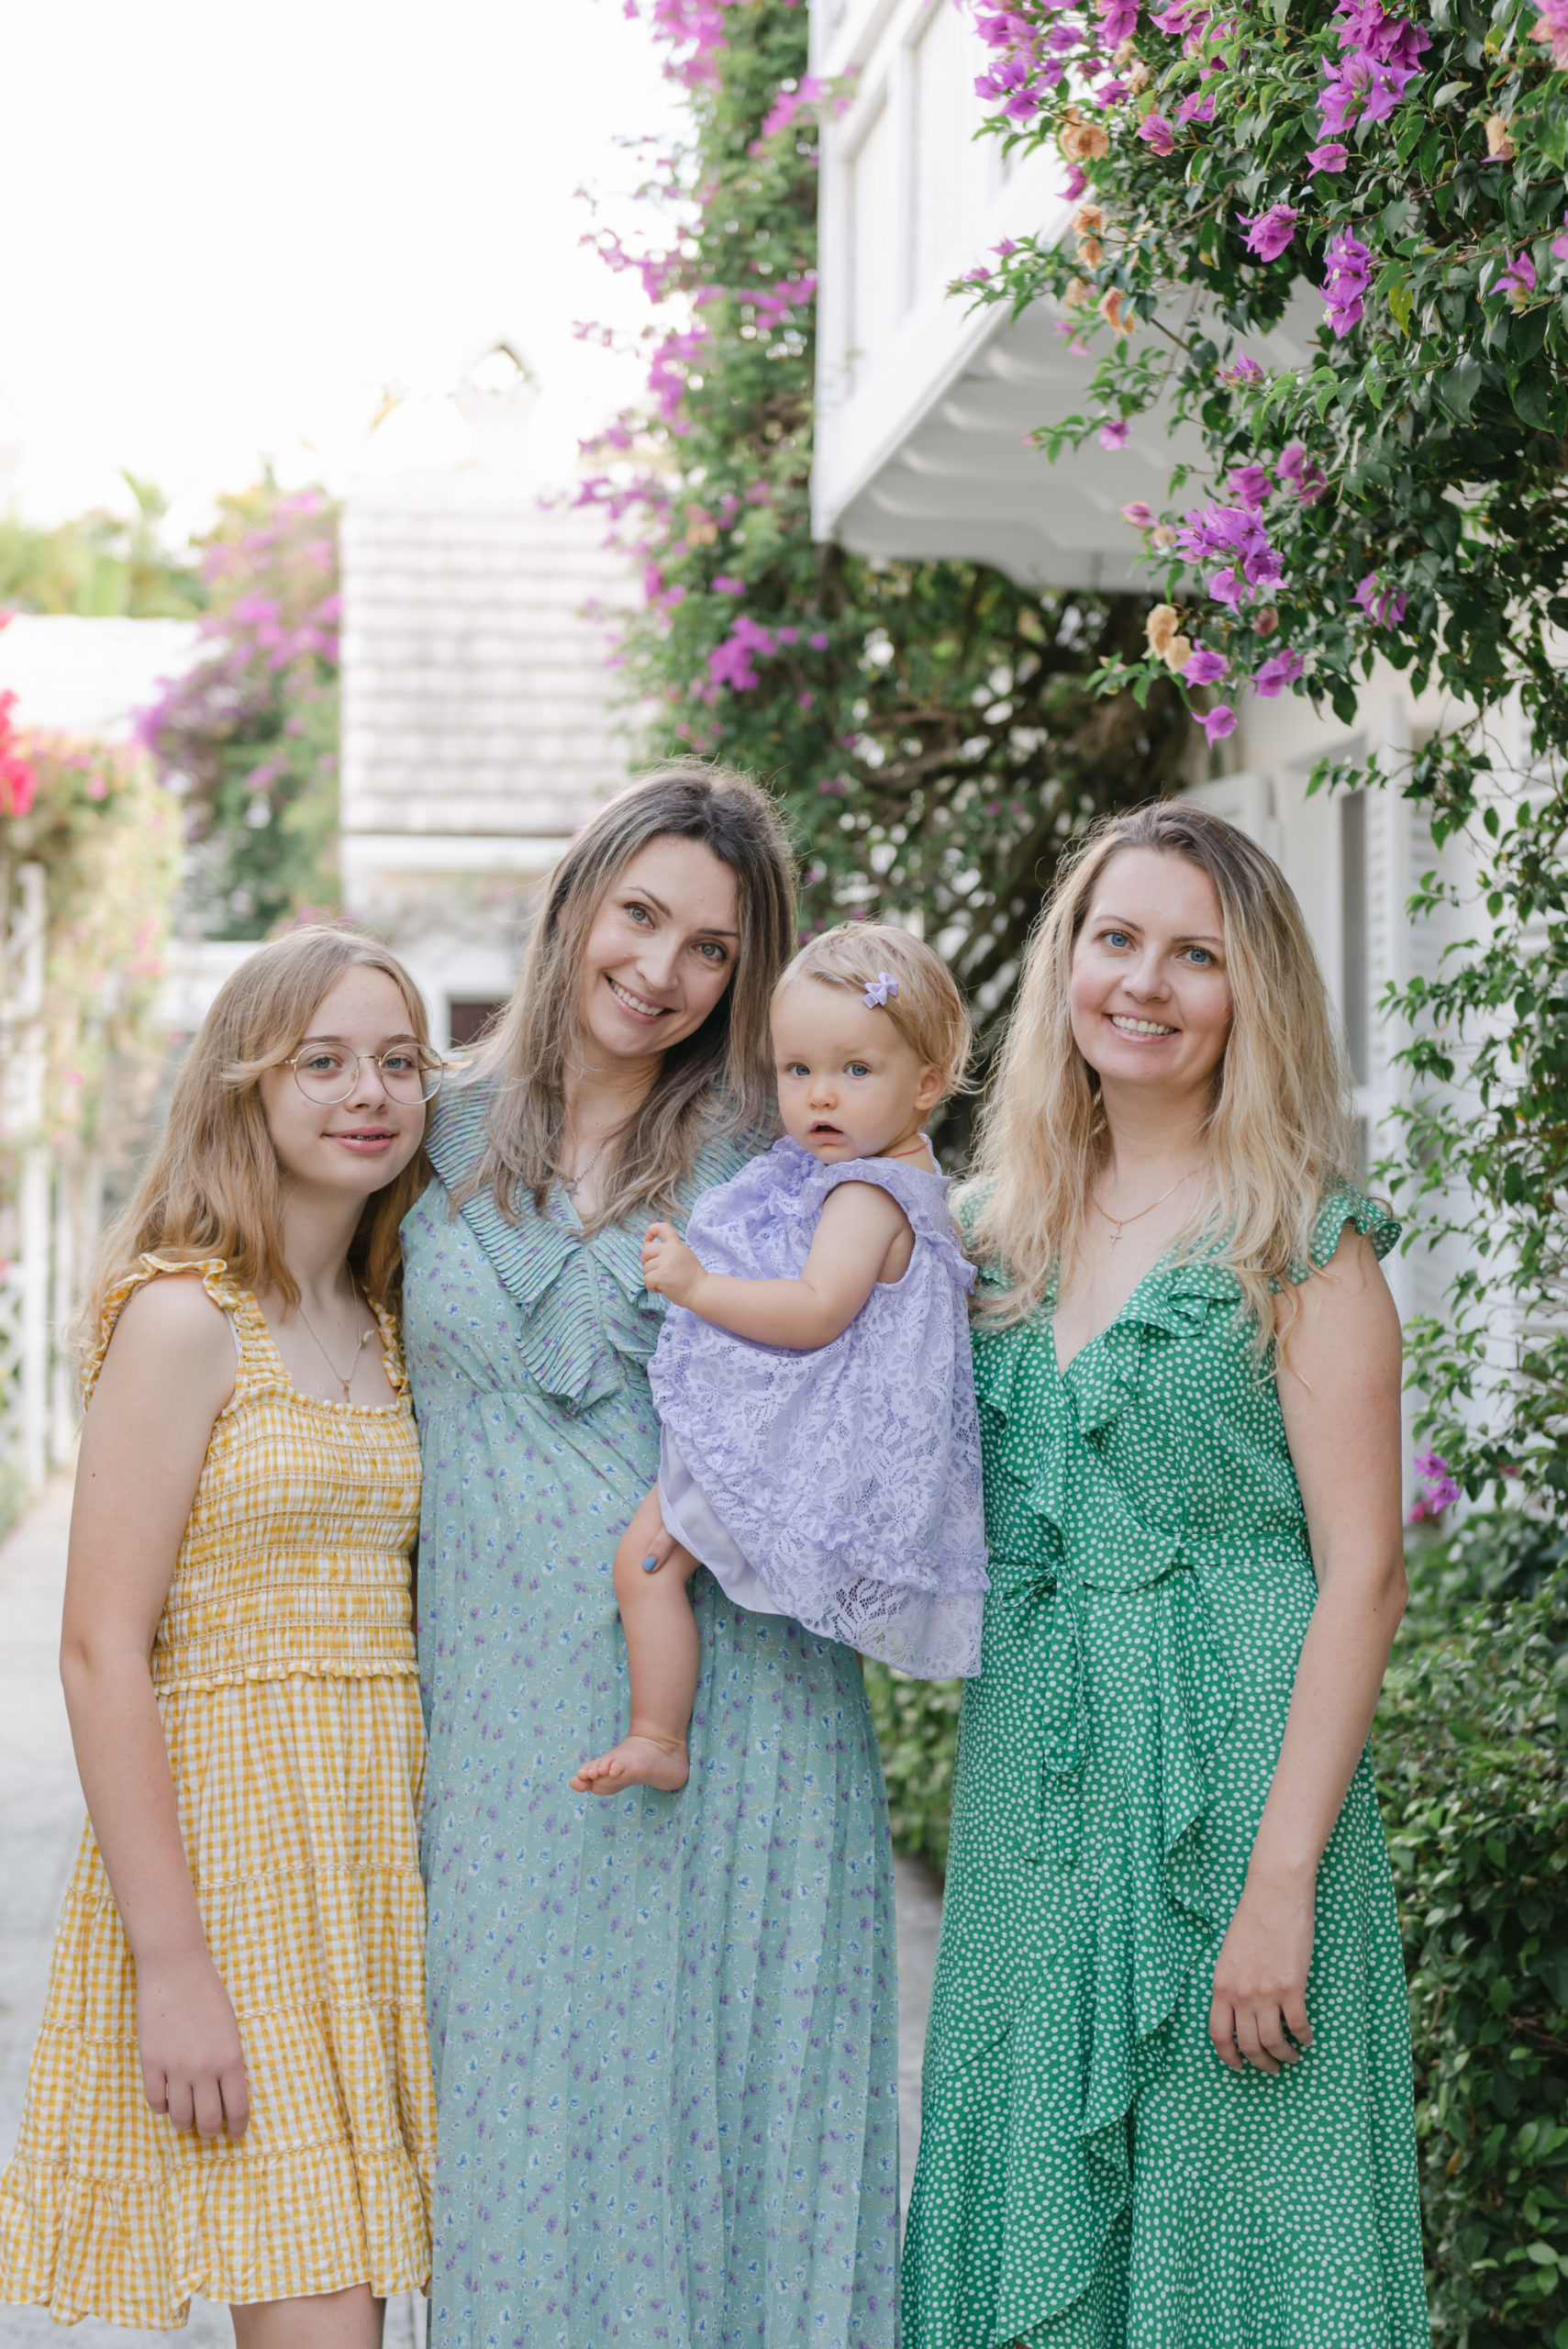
[{"x": 38, "y": 1208}]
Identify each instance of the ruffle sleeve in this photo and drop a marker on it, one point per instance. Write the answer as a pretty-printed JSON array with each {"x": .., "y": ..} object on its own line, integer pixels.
[{"x": 1344, "y": 1205}]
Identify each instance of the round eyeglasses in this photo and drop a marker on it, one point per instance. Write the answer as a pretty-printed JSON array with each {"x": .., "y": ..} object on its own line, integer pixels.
[{"x": 326, "y": 1072}]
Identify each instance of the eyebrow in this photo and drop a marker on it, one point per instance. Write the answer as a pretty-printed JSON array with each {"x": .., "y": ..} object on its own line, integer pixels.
[
  {"x": 706, "y": 929},
  {"x": 405, "y": 1036}
]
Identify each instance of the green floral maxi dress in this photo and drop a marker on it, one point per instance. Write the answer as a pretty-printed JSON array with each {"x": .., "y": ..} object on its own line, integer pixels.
[{"x": 1091, "y": 2176}]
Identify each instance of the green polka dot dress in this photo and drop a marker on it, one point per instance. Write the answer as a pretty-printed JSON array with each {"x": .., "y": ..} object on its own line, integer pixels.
[{"x": 1091, "y": 2176}]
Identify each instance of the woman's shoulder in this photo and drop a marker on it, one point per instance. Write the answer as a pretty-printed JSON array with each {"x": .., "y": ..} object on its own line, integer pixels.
[{"x": 163, "y": 1308}]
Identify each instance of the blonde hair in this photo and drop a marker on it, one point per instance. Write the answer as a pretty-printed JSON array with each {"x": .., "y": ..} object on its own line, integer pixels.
[
  {"x": 926, "y": 1007},
  {"x": 713, "y": 1081},
  {"x": 214, "y": 1186},
  {"x": 1278, "y": 1133}
]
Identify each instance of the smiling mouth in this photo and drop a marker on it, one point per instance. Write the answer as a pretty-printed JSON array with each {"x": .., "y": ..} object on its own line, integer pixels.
[
  {"x": 1126, "y": 1027},
  {"x": 365, "y": 1134},
  {"x": 635, "y": 1003}
]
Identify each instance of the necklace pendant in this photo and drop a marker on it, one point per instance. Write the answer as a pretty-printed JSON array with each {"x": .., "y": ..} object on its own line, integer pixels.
[{"x": 1115, "y": 1235}]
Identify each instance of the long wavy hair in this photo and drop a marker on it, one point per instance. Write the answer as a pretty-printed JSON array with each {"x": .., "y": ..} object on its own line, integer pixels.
[
  {"x": 214, "y": 1186},
  {"x": 716, "y": 1081},
  {"x": 1278, "y": 1134}
]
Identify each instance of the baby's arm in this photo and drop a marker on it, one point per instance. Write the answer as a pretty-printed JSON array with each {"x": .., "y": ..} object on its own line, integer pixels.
[{"x": 858, "y": 1227}]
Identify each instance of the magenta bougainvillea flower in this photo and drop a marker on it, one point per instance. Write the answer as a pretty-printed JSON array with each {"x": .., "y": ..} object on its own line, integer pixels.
[
  {"x": 1250, "y": 486},
  {"x": 1269, "y": 233},
  {"x": 1331, "y": 155},
  {"x": 1119, "y": 21},
  {"x": 1281, "y": 669},
  {"x": 1344, "y": 288},
  {"x": 1142, "y": 516},
  {"x": 1242, "y": 370},
  {"x": 1114, "y": 435},
  {"x": 1384, "y": 606},
  {"x": 1517, "y": 279},
  {"x": 1219, "y": 721},
  {"x": 1156, "y": 132},
  {"x": 1197, "y": 107},
  {"x": 1550, "y": 27},
  {"x": 1231, "y": 531},
  {"x": 1205, "y": 668},
  {"x": 1302, "y": 473}
]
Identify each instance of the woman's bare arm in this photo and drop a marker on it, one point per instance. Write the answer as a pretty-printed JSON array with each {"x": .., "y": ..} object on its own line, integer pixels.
[
  {"x": 1339, "y": 1393},
  {"x": 169, "y": 1372},
  {"x": 858, "y": 1223}
]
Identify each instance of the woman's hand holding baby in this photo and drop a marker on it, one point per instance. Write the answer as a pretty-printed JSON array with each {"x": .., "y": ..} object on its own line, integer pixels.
[{"x": 669, "y": 1267}]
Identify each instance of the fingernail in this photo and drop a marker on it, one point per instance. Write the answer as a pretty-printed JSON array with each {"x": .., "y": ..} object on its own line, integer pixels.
[{"x": 650, "y": 1564}]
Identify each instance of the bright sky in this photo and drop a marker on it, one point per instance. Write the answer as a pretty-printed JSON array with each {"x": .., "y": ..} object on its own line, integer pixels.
[{"x": 232, "y": 226}]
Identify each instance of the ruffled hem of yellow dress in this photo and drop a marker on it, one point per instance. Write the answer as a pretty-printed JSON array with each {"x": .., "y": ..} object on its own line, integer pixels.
[{"x": 136, "y": 2251}]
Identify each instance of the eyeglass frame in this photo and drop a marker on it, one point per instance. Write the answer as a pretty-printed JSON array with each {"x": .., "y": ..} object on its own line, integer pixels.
[{"x": 359, "y": 1060}]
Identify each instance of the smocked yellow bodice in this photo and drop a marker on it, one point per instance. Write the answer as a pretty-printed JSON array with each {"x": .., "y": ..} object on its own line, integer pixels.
[{"x": 295, "y": 1557}]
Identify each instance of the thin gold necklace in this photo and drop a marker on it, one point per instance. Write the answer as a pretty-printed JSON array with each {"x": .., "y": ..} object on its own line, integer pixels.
[
  {"x": 1122, "y": 1221},
  {"x": 577, "y": 1181},
  {"x": 344, "y": 1383}
]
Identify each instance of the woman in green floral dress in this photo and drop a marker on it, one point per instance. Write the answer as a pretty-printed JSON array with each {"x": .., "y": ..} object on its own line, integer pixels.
[{"x": 1167, "y": 2098}]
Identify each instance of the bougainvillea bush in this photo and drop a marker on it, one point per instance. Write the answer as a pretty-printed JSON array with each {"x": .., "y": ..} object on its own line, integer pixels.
[
  {"x": 249, "y": 737},
  {"x": 1394, "y": 177},
  {"x": 928, "y": 726}
]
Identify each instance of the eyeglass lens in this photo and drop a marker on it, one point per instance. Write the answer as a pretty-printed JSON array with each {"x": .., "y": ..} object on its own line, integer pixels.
[{"x": 325, "y": 1073}]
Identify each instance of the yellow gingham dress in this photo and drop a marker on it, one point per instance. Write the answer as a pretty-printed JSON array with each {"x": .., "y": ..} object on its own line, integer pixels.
[{"x": 284, "y": 1672}]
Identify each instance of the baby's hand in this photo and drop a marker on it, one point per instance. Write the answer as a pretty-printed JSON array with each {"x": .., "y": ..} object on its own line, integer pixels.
[{"x": 669, "y": 1267}]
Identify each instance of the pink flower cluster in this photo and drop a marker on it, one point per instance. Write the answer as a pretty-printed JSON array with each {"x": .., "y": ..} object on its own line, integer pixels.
[
  {"x": 1442, "y": 1488},
  {"x": 1381, "y": 55},
  {"x": 1344, "y": 288},
  {"x": 1384, "y": 606},
  {"x": 1032, "y": 59},
  {"x": 729, "y": 664},
  {"x": 1233, "y": 537},
  {"x": 18, "y": 776},
  {"x": 1550, "y": 28}
]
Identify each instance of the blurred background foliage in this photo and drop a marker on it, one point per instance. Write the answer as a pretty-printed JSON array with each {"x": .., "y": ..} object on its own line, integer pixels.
[{"x": 101, "y": 565}]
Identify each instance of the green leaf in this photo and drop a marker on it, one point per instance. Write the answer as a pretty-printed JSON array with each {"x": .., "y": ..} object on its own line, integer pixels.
[
  {"x": 1401, "y": 302},
  {"x": 1450, "y": 91},
  {"x": 1459, "y": 386}
]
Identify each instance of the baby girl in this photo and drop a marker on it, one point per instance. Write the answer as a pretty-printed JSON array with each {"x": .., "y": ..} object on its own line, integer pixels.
[{"x": 820, "y": 1454}]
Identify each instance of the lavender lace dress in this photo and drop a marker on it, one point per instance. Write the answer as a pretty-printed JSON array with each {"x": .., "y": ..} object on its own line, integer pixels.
[
  {"x": 664, "y": 2027},
  {"x": 840, "y": 1486}
]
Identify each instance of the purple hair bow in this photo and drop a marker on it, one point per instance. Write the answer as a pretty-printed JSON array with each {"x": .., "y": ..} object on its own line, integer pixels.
[{"x": 879, "y": 989}]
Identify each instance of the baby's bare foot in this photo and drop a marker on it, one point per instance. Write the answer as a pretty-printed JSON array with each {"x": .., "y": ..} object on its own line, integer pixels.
[{"x": 635, "y": 1762}]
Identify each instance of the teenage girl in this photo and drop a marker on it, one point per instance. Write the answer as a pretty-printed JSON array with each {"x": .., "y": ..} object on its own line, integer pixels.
[
  {"x": 820, "y": 1450},
  {"x": 232, "y": 2093}
]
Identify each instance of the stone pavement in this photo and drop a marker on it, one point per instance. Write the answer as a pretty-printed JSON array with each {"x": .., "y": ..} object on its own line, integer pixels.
[{"x": 40, "y": 1819}]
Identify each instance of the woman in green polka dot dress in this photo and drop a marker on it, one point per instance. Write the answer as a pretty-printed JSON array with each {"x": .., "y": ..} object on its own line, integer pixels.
[{"x": 1167, "y": 2097}]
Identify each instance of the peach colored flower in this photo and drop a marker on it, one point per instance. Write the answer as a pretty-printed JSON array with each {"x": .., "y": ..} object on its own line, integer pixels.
[
  {"x": 1113, "y": 310},
  {"x": 1165, "y": 534},
  {"x": 1499, "y": 146},
  {"x": 1077, "y": 294},
  {"x": 1080, "y": 141},
  {"x": 1266, "y": 621},
  {"x": 1161, "y": 628},
  {"x": 1177, "y": 653},
  {"x": 1089, "y": 220},
  {"x": 1091, "y": 253}
]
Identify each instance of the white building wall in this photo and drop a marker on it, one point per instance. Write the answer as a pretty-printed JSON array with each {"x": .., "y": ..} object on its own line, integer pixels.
[{"x": 480, "y": 726}]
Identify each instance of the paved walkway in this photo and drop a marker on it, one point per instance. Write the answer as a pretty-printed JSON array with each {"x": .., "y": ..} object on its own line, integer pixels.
[{"x": 40, "y": 1819}]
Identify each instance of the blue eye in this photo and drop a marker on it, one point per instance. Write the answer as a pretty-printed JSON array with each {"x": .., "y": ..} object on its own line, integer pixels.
[
  {"x": 858, "y": 1068},
  {"x": 1117, "y": 937},
  {"x": 1200, "y": 955}
]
